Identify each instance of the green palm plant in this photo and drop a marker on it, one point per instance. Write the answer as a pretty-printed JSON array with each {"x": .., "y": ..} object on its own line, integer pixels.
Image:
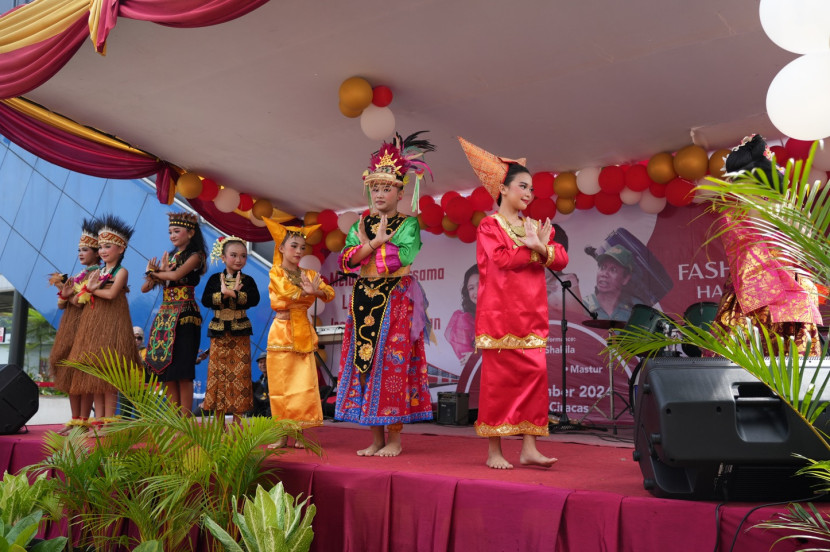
[
  {"x": 791, "y": 216},
  {"x": 160, "y": 470}
]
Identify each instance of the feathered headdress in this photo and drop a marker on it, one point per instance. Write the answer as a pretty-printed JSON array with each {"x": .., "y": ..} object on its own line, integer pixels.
[
  {"x": 185, "y": 220},
  {"x": 219, "y": 246},
  {"x": 279, "y": 232},
  {"x": 490, "y": 169},
  {"x": 89, "y": 233},
  {"x": 115, "y": 231},
  {"x": 391, "y": 163}
]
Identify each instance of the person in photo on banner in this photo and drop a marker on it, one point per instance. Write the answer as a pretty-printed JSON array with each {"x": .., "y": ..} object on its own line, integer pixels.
[
  {"x": 68, "y": 288},
  {"x": 609, "y": 299},
  {"x": 760, "y": 285},
  {"x": 383, "y": 370},
  {"x": 293, "y": 387},
  {"x": 105, "y": 327},
  {"x": 174, "y": 338},
  {"x": 461, "y": 331},
  {"x": 229, "y": 294},
  {"x": 512, "y": 310}
]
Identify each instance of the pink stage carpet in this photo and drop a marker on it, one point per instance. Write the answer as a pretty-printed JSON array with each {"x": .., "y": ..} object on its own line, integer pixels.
[{"x": 438, "y": 495}]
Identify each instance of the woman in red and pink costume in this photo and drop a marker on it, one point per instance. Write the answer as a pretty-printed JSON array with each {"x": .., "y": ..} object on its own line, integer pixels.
[{"x": 512, "y": 310}]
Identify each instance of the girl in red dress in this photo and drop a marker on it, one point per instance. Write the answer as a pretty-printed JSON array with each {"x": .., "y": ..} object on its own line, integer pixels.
[{"x": 512, "y": 311}]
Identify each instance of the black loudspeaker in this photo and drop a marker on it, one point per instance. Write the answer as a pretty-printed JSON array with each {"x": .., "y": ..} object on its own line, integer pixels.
[
  {"x": 706, "y": 429},
  {"x": 453, "y": 408},
  {"x": 18, "y": 398}
]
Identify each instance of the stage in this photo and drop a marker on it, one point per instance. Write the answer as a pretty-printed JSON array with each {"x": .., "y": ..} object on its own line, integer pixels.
[{"x": 438, "y": 495}]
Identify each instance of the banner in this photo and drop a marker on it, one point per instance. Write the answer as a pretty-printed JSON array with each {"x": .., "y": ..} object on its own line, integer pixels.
[{"x": 631, "y": 262}]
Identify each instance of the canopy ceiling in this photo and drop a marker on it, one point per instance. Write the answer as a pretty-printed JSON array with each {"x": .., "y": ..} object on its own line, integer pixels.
[{"x": 253, "y": 103}]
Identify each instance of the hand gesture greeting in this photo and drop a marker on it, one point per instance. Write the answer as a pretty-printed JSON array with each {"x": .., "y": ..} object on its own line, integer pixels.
[{"x": 310, "y": 286}]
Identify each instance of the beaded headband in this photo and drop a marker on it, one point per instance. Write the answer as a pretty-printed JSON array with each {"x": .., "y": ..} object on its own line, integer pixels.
[
  {"x": 108, "y": 235},
  {"x": 219, "y": 245},
  {"x": 185, "y": 220}
]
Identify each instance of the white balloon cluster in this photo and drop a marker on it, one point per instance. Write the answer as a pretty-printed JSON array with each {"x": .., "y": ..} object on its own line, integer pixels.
[{"x": 796, "y": 100}]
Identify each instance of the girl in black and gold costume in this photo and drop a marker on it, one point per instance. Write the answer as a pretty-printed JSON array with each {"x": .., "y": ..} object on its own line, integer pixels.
[
  {"x": 174, "y": 338},
  {"x": 229, "y": 293}
]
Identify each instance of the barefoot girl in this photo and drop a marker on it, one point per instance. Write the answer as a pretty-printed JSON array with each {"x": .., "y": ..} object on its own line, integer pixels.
[
  {"x": 512, "y": 311},
  {"x": 292, "y": 371},
  {"x": 229, "y": 293},
  {"x": 174, "y": 338}
]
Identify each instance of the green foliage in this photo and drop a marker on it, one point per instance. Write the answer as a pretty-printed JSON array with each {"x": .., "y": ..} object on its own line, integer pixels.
[
  {"x": 18, "y": 498},
  {"x": 160, "y": 470},
  {"x": 272, "y": 522},
  {"x": 16, "y": 538}
]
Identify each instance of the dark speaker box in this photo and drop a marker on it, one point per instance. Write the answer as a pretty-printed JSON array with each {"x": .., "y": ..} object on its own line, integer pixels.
[
  {"x": 706, "y": 429},
  {"x": 453, "y": 408},
  {"x": 18, "y": 398}
]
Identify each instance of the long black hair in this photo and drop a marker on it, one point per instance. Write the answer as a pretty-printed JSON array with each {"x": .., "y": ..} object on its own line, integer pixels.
[
  {"x": 195, "y": 245},
  {"x": 750, "y": 157},
  {"x": 467, "y": 302},
  {"x": 513, "y": 170}
]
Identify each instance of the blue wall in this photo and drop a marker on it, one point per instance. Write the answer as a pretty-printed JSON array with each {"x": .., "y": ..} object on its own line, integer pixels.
[{"x": 41, "y": 207}]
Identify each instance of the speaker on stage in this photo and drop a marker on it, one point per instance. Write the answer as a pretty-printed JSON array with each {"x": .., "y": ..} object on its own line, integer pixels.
[
  {"x": 453, "y": 408},
  {"x": 18, "y": 398},
  {"x": 706, "y": 429}
]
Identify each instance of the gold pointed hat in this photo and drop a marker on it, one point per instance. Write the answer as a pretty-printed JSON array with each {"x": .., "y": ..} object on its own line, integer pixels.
[
  {"x": 278, "y": 232},
  {"x": 490, "y": 169}
]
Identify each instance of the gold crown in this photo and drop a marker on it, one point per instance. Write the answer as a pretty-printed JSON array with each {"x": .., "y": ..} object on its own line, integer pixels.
[
  {"x": 185, "y": 220},
  {"x": 88, "y": 240}
]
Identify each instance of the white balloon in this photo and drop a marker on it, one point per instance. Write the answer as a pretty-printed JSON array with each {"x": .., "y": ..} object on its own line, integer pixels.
[
  {"x": 255, "y": 221},
  {"x": 797, "y": 99},
  {"x": 346, "y": 220},
  {"x": 310, "y": 262},
  {"x": 630, "y": 197},
  {"x": 651, "y": 204},
  {"x": 587, "y": 180},
  {"x": 821, "y": 160},
  {"x": 800, "y": 26},
  {"x": 377, "y": 123},
  {"x": 226, "y": 200}
]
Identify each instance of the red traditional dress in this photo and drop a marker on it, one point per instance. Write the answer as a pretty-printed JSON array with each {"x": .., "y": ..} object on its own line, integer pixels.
[
  {"x": 384, "y": 339},
  {"x": 512, "y": 329}
]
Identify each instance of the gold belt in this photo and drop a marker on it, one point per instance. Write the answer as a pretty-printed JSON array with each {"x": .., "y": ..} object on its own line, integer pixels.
[
  {"x": 370, "y": 270},
  {"x": 229, "y": 314},
  {"x": 178, "y": 293}
]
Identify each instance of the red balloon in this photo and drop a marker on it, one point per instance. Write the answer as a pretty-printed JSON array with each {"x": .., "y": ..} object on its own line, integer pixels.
[
  {"x": 432, "y": 215},
  {"x": 584, "y": 202},
  {"x": 679, "y": 192},
  {"x": 543, "y": 184},
  {"x": 612, "y": 179},
  {"x": 607, "y": 204},
  {"x": 466, "y": 232},
  {"x": 381, "y": 96},
  {"x": 209, "y": 190},
  {"x": 637, "y": 178},
  {"x": 531, "y": 209},
  {"x": 545, "y": 209},
  {"x": 435, "y": 229},
  {"x": 327, "y": 220},
  {"x": 445, "y": 199},
  {"x": 798, "y": 149},
  {"x": 657, "y": 190},
  {"x": 245, "y": 202},
  {"x": 781, "y": 155},
  {"x": 459, "y": 209},
  {"x": 481, "y": 199},
  {"x": 424, "y": 201}
]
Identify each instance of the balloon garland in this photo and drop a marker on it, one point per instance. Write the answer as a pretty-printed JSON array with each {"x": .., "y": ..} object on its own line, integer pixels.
[{"x": 359, "y": 99}]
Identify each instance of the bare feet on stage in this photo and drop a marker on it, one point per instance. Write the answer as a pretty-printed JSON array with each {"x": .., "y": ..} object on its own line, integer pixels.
[
  {"x": 393, "y": 445},
  {"x": 495, "y": 457},
  {"x": 298, "y": 445},
  {"x": 378, "y": 442},
  {"x": 279, "y": 444},
  {"x": 530, "y": 455}
]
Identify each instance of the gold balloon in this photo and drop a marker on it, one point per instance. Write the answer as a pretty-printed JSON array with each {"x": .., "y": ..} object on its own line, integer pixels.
[
  {"x": 335, "y": 240},
  {"x": 189, "y": 185},
  {"x": 310, "y": 218},
  {"x": 717, "y": 161},
  {"x": 565, "y": 205},
  {"x": 262, "y": 209},
  {"x": 449, "y": 226},
  {"x": 349, "y": 112},
  {"x": 421, "y": 222},
  {"x": 691, "y": 162},
  {"x": 565, "y": 185},
  {"x": 314, "y": 238},
  {"x": 477, "y": 217},
  {"x": 356, "y": 93},
  {"x": 661, "y": 168}
]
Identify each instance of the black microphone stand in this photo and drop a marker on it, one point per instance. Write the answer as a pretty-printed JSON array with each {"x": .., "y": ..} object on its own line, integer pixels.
[{"x": 565, "y": 423}]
